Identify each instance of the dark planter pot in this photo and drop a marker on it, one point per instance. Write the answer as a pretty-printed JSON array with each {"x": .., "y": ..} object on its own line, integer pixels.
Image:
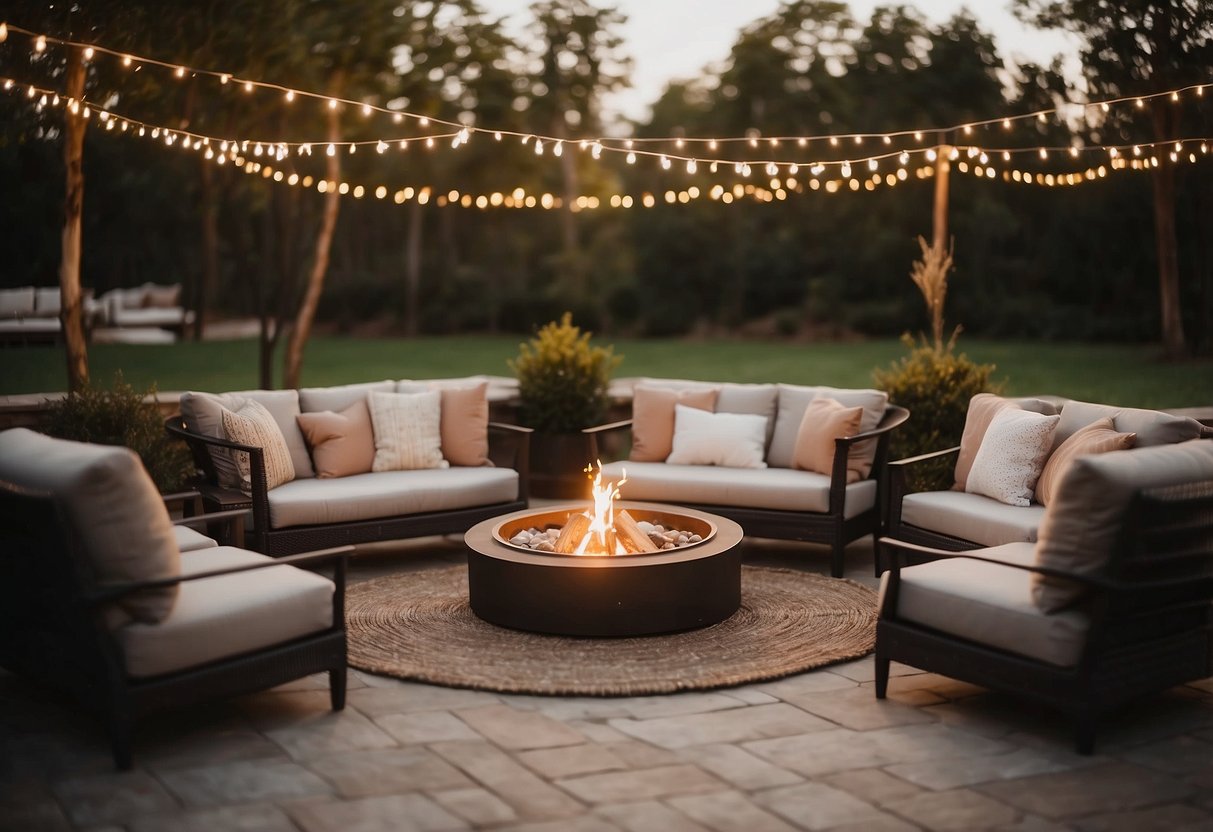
[{"x": 558, "y": 462}]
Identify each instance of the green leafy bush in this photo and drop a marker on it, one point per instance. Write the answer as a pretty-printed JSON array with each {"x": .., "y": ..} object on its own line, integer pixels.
[
  {"x": 122, "y": 416},
  {"x": 935, "y": 385},
  {"x": 562, "y": 380}
]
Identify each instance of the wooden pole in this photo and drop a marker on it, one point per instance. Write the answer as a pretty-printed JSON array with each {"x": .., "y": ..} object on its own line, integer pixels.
[
  {"x": 71, "y": 313},
  {"x": 939, "y": 237}
]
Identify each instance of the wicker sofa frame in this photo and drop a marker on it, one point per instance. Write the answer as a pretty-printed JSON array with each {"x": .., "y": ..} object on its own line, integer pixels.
[
  {"x": 829, "y": 527},
  {"x": 52, "y": 628},
  {"x": 509, "y": 445},
  {"x": 1151, "y": 618}
]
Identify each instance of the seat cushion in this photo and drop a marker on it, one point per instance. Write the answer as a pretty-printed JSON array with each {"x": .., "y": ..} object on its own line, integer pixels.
[
  {"x": 971, "y": 517},
  {"x": 113, "y": 507},
  {"x": 389, "y": 494},
  {"x": 776, "y": 489},
  {"x": 989, "y": 604},
  {"x": 220, "y": 617},
  {"x": 1151, "y": 426},
  {"x": 1083, "y": 522},
  {"x": 189, "y": 540}
]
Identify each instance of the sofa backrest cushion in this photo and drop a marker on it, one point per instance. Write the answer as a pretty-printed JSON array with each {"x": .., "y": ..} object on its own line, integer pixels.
[
  {"x": 1099, "y": 437},
  {"x": 251, "y": 424},
  {"x": 17, "y": 303},
  {"x": 337, "y": 399},
  {"x": 653, "y": 418},
  {"x": 464, "y": 425},
  {"x": 755, "y": 399},
  {"x": 825, "y": 420},
  {"x": 982, "y": 409},
  {"x": 408, "y": 431},
  {"x": 1151, "y": 426},
  {"x": 730, "y": 440},
  {"x": 343, "y": 444},
  {"x": 113, "y": 507},
  {"x": 794, "y": 398},
  {"x": 1083, "y": 523},
  {"x": 203, "y": 413},
  {"x": 46, "y": 301}
]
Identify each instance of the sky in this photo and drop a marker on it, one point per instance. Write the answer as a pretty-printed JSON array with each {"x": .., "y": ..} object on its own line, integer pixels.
[{"x": 671, "y": 39}]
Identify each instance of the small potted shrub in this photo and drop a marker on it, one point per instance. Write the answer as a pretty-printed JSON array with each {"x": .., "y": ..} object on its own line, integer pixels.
[{"x": 562, "y": 388}]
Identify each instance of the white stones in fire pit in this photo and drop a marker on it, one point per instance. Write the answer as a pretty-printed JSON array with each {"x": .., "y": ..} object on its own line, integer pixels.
[{"x": 544, "y": 540}]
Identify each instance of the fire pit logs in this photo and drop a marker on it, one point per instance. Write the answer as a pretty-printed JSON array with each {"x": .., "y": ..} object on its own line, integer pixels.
[{"x": 635, "y": 535}]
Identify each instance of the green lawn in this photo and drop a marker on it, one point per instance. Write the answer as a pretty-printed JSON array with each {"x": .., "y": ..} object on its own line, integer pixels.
[{"x": 1126, "y": 375}]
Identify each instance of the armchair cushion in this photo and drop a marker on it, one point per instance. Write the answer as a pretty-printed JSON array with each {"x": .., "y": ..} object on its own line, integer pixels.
[
  {"x": 825, "y": 420},
  {"x": 653, "y": 418},
  {"x": 731, "y": 440},
  {"x": 338, "y": 398},
  {"x": 113, "y": 507},
  {"x": 793, "y": 399},
  {"x": 1151, "y": 426},
  {"x": 389, "y": 494},
  {"x": 777, "y": 489},
  {"x": 203, "y": 413},
  {"x": 971, "y": 517},
  {"x": 1099, "y": 437},
  {"x": 342, "y": 443},
  {"x": 1011, "y": 456},
  {"x": 989, "y": 604},
  {"x": 251, "y": 424},
  {"x": 408, "y": 431},
  {"x": 1081, "y": 526},
  {"x": 189, "y": 540},
  {"x": 224, "y": 616},
  {"x": 982, "y": 409}
]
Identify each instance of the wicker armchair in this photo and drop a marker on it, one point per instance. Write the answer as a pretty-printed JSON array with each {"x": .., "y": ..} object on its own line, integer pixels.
[
  {"x": 220, "y": 625},
  {"x": 1144, "y": 622}
]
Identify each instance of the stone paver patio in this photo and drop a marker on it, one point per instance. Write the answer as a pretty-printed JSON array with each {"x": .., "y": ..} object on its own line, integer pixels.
[{"x": 809, "y": 752}]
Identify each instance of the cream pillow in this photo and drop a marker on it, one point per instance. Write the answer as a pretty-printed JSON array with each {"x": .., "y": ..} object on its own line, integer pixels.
[
  {"x": 1012, "y": 454},
  {"x": 408, "y": 430},
  {"x": 824, "y": 421},
  {"x": 343, "y": 444},
  {"x": 252, "y": 424},
  {"x": 653, "y": 418},
  {"x": 730, "y": 440},
  {"x": 1099, "y": 437},
  {"x": 982, "y": 409}
]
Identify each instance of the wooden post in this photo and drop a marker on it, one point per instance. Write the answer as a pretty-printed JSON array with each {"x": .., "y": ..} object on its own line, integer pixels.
[
  {"x": 939, "y": 236},
  {"x": 71, "y": 312}
]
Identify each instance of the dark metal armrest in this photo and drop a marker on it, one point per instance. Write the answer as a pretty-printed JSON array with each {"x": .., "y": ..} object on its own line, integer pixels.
[
  {"x": 1094, "y": 580},
  {"x": 601, "y": 430},
  {"x": 112, "y": 592},
  {"x": 894, "y": 416},
  {"x": 214, "y": 492},
  {"x": 913, "y": 460},
  {"x": 522, "y": 453},
  {"x": 233, "y": 519}
]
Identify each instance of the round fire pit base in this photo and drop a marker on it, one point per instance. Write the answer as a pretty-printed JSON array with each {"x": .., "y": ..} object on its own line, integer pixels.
[{"x": 579, "y": 595}]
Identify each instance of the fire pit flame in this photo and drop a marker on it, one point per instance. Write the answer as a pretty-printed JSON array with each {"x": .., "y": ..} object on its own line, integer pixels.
[{"x": 600, "y": 538}]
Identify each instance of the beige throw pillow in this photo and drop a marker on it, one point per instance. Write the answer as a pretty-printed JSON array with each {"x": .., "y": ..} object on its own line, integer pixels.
[
  {"x": 730, "y": 440},
  {"x": 465, "y": 425},
  {"x": 653, "y": 418},
  {"x": 408, "y": 430},
  {"x": 1096, "y": 438},
  {"x": 1011, "y": 456},
  {"x": 253, "y": 425},
  {"x": 824, "y": 421},
  {"x": 982, "y": 409},
  {"x": 342, "y": 444}
]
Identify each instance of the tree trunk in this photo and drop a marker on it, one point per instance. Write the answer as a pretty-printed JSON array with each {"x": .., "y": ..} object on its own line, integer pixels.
[
  {"x": 71, "y": 314},
  {"x": 210, "y": 248},
  {"x": 293, "y": 360},
  {"x": 412, "y": 272},
  {"x": 1162, "y": 178}
]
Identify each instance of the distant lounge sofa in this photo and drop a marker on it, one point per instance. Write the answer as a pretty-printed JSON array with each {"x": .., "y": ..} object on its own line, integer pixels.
[
  {"x": 776, "y": 458},
  {"x": 147, "y": 306},
  {"x": 333, "y": 495},
  {"x": 30, "y": 314}
]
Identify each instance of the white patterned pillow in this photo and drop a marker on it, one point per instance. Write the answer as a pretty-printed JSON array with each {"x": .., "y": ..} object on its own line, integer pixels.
[
  {"x": 408, "y": 430},
  {"x": 252, "y": 424},
  {"x": 730, "y": 440},
  {"x": 1012, "y": 454}
]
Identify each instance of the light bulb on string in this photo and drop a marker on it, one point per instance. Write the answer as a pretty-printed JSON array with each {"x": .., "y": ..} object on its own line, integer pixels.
[
  {"x": 3, "y": 32},
  {"x": 290, "y": 96},
  {"x": 40, "y": 44}
]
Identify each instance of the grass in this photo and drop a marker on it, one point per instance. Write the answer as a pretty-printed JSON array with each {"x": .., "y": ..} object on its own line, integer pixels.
[{"x": 1129, "y": 375}]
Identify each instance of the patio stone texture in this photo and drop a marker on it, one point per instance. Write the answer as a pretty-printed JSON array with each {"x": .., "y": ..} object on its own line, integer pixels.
[{"x": 816, "y": 751}]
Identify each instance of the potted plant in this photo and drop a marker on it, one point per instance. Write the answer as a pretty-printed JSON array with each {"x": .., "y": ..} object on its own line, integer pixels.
[{"x": 562, "y": 388}]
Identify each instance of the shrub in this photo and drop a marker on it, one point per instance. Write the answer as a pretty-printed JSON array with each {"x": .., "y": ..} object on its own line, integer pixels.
[
  {"x": 122, "y": 416},
  {"x": 935, "y": 385},
  {"x": 562, "y": 380}
]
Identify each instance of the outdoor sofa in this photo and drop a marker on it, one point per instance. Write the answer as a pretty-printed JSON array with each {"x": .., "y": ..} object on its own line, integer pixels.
[
  {"x": 793, "y": 476},
  {"x": 1113, "y": 600},
  {"x": 959, "y": 519},
  {"x": 105, "y": 600},
  {"x": 322, "y": 503}
]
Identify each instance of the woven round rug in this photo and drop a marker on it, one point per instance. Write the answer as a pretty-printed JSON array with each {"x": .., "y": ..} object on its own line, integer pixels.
[{"x": 418, "y": 626}]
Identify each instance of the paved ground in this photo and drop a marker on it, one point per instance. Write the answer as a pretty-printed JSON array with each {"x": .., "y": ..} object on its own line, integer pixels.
[{"x": 814, "y": 751}]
